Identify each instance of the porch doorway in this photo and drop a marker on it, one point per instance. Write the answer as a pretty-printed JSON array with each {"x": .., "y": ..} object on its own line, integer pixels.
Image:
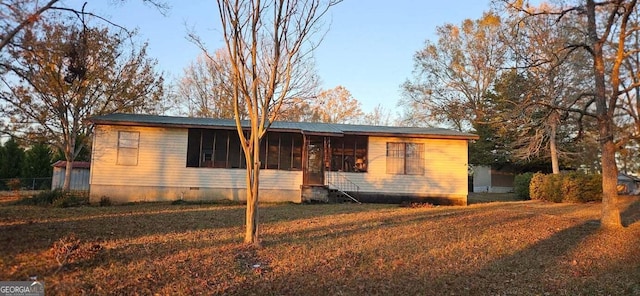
[{"x": 314, "y": 169}]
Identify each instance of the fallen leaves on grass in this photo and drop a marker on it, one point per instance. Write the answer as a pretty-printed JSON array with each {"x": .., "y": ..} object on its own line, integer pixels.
[{"x": 522, "y": 248}]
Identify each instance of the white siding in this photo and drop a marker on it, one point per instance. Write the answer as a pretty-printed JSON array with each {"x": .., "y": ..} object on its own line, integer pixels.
[
  {"x": 162, "y": 162},
  {"x": 445, "y": 169}
]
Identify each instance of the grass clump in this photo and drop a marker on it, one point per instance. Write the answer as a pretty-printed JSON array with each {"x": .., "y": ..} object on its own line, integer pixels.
[
  {"x": 56, "y": 198},
  {"x": 206, "y": 202},
  {"x": 105, "y": 201},
  {"x": 71, "y": 199}
]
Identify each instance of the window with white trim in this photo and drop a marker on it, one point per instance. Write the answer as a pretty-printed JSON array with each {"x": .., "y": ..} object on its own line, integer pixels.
[
  {"x": 128, "y": 143},
  {"x": 405, "y": 158}
]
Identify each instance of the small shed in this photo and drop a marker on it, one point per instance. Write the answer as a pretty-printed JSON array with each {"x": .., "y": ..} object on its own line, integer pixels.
[
  {"x": 488, "y": 179},
  {"x": 79, "y": 175}
]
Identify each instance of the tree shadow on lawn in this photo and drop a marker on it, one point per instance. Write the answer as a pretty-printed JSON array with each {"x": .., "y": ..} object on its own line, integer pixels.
[
  {"x": 583, "y": 259},
  {"x": 484, "y": 197},
  {"x": 310, "y": 234},
  {"x": 33, "y": 236},
  {"x": 536, "y": 270},
  {"x": 631, "y": 214},
  {"x": 516, "y": 268},
  {"x": 408, "y": 277},
  {"x": 555, "y": 264},
  {"x": 160, "y": 253}
]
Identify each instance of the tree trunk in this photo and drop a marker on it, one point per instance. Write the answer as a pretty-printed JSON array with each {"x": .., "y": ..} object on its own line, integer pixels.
[
  {"x": 610, "y": 213},
  {"x": 69, "y": 153},
  {"x": 555, "y": 166},
  {"x": 253, "y": 177},
  {"x": 66, "y": 185},
  {"x": 610, "y": 217}
]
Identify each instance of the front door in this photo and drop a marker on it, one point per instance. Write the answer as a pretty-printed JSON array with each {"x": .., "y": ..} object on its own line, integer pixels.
[{"x": 314, "y": 170}]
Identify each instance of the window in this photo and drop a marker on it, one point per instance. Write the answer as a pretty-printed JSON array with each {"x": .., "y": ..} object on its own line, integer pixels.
[
  {"x": 395, "y": 158},
  {"x": 222, "y": 149},
  {"x": 349, "y": 154},
  {"x": 128, "y": 143},
  {"x": 405, "y": 158}
]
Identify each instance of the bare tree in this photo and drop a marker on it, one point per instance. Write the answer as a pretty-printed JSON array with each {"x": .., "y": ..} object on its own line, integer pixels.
[
  {"x": 556, "y": 79},
  {"x": 335, "y": 105},
  {"x": 379, "y": 116},
  {"x": 615, "y": 28},
  {"x": 266, "y": 42},
  {"x": 205, "y": 87},
  {"x": 607, "y": 33},
  {"x": 63, "y": 74},
  {"x": 16, "y": 15},
  {"x": 452, "y": 76}
]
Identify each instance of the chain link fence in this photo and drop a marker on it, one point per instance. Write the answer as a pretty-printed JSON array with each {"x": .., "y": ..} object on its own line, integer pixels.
[{"x": 25, "y": 184}]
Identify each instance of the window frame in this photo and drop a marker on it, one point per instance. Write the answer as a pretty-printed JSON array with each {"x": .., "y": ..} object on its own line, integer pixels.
[
  {"x": 403, "y": 160},
  {"x": 128, "y": 148}
]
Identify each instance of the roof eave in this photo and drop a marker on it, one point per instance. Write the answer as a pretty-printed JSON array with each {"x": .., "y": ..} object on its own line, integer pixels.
[
  {"x": 120, "y": 122},
  {"x": 180, "y": 125},
  {"x": 414, "y": 135}
]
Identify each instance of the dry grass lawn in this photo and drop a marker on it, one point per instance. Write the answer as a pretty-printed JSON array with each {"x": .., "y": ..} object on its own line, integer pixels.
[{"x": 498, "y": 248}]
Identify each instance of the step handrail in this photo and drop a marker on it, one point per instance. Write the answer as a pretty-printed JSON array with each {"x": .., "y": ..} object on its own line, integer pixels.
[{"x": 340, "y": 182}]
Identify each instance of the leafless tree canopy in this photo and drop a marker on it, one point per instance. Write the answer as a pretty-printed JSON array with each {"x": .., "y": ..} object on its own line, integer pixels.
[
  {"x": 267, "y": 42},
  {"x": 64, "y": 73}
]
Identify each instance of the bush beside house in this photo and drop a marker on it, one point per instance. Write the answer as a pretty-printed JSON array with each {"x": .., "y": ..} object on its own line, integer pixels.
[{"x": 571, "y": 187}]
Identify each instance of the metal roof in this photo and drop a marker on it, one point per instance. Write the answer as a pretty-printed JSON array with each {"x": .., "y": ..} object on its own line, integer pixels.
[
  {"x": 75, "y": 164},
  {"x": 312, "y": 128}
]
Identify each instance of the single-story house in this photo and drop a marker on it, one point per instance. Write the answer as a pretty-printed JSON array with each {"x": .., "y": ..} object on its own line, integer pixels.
[
  {"x": 79, "y": 175},
  {"x": 153, "y": 158}
]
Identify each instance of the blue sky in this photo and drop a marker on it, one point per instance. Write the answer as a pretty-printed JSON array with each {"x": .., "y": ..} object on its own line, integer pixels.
[{"x": 368, "y": 49}]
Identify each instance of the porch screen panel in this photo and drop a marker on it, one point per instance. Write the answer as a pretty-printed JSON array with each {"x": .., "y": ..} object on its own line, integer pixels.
[
  {"x": 286, "y": 152},
  {"x": 206, "y": 148},
  {"x": 337, "y": 155},
  {"x": 349, "y": 151},
  {"x": 193, "y": 148},
  {"x": 236, "y": 155},
  {"x": 273, "y": 151},
  {"x": 296, "y": 152},
  {"x": 220, "y": 149},
  {"x": 361, "y": 154},
  {"x": 349, "y": 154}
]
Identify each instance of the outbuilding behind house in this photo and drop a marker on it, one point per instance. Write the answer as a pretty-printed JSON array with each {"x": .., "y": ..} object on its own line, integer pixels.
[{"x": 79, "y": 175}]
